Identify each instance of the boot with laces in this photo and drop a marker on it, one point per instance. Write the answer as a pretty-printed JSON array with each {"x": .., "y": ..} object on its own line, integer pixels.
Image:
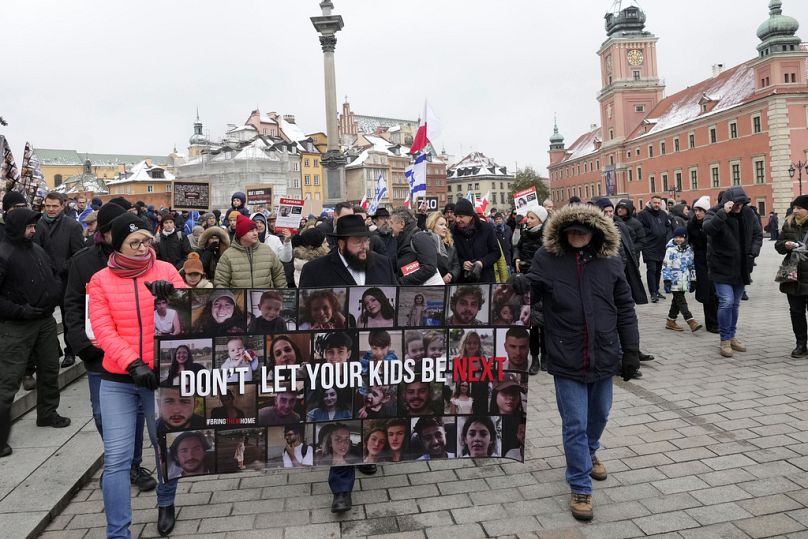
[{"x": 581, "y": 506}]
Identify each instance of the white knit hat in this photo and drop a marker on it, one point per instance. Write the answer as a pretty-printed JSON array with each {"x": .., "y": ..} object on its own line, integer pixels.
[{"x": 703, "y": 203}]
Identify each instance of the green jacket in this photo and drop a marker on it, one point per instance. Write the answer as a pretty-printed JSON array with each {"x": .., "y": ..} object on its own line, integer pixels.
[
  {"x": 791, "y": 231},
  {"x": 256, "y": 267}
]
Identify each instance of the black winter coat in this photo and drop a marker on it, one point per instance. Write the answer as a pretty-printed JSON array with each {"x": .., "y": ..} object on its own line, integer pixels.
[
  {"x": 83, "y": 266},
  {"x": 796, "y": 233},
  {"x": 631, "y": 266},
  {"x": 173, "y": 249},
  {"x": 697, "y": 239},
  {"x": 329, "y": 271},
  {"x": 448, "y": 263},
  {"x": 525, "y": 249},
  {"x": 504, "y": 235},
  {"x": 635, "y": 227},
  {"x": 478, "y": 242},
  {"x": 384, "y": 244},
  {"x": 416, "y": 245},
  {"x": 734, "y": 240},
  {"x": 27, "y": 274},
  {"x": 61, "y": 239},
  {"x": 657, "y": 233},
  {"x": 588, "y": 309}
]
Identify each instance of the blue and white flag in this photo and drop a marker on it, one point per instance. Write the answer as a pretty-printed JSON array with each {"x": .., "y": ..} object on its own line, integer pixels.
[
  {"x": 193, "y": 217},
  {"x": 381, "y": 192},
  {"x": 416, "y": 176}
]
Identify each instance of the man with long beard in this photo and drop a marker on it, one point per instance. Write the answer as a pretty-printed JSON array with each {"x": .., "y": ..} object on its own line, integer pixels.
[{"x": 351, "y": 263}]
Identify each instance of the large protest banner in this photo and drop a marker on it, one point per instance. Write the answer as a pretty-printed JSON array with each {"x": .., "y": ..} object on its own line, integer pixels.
[{"x": 260, "y": 379}]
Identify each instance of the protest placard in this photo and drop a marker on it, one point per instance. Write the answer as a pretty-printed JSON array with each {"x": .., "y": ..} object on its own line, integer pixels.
[
  {"x": 290, "y": 211},
  {"x": 526, "y": 200},
  {"x": 285, "y": 378}
]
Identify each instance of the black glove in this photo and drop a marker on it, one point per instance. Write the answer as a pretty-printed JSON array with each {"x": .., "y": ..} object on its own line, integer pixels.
[
  {"x": 520, "y": 284},
  {"x": 160, "y": 289},
  {"x": 667, "y": 285},
  {"x": 29, "y": 312},
  {"x": 92, "y": 354},
  {"x": 142, "y": 374},
  {"x": 631, "y": 364},
  {"x": 692, "y": 287}
]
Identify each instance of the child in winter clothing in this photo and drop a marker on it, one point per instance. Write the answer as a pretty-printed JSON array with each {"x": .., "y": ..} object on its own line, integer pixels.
[
  {"x": 193, "y": 274},
  {"x": 679, "y": 277}
]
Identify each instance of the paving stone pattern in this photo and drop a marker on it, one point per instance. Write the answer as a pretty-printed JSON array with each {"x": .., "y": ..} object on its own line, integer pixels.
[{"x": 702, "y": 446}]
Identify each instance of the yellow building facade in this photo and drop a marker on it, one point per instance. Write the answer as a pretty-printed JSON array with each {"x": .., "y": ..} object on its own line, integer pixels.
[{"x": 312, "y": 177}]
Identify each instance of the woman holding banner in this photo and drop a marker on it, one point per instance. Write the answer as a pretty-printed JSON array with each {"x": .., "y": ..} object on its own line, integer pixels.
[{"x": 122, "y": 315}]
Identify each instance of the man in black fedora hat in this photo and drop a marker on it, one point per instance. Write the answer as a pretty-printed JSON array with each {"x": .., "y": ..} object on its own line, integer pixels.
[
  {"x": 350, "y": 263},
  {"x": 382, "y": 241}
]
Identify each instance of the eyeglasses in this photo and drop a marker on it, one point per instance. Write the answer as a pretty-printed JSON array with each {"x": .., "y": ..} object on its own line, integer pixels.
[{"x": 137, "y": 244}]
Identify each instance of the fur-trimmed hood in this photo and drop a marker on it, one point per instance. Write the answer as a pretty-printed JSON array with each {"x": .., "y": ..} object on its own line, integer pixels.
[
  {"x": 310, "y": 253},
  {"x": 605, "y": 238},
  {"x": 224, "y": 239}
]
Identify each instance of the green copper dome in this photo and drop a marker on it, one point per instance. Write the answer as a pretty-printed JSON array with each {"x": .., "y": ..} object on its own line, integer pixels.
[
  {"x": 556, "y": 139},
  {"x": 628, "y": 20},
  {"x": 777, "y": 33}
]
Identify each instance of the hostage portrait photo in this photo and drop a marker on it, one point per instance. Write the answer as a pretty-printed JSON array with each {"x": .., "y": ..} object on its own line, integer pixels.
[
  {"x": 469, "y": 343},
  {"x": 282, "y": 407},
  {"x": 507, "y": 306},
  {"x": 191, "y": 453},
  {"x": 172, "y": 315},
  {"x": 421, "y": 306},
  {"x": 184, "y": 355},
  {"x": 272, "y": 311},
  {"x": 218, "y": 311},
  {"x": 287, "y": 349},
  {"x": 339, "y": 443},
  {"x": 372, "y": 307},
  {"x": 177, "y": 412},
  {"x": 239, "y": 450},
  {"x": 290, "y": 446},
  {"x": 239, "y": 352},
  {"x": 323, "y": 309},
  {"x": 467, "y": 305},
  {"x": 335, "y": 346},
  {"x": 479, "y": 436},
  {"x": 233, "y": 407},
  {"x": 378, "y": 345},
  {"x": 434, "y": 438}
]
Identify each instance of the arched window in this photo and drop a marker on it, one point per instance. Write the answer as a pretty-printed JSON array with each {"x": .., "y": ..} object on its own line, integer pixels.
[{"x": 57, "y": 180}]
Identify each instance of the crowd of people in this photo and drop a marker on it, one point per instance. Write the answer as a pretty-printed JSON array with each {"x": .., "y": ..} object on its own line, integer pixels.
[{"x": 580, "y": 264}]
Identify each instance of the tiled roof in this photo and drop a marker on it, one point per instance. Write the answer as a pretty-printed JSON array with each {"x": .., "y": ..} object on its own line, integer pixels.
[
  {"x": 58, "y": 157},
  {"x": 72, "y": 157}
]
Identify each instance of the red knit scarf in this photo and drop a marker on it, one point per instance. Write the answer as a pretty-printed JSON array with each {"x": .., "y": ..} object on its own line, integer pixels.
[{"x": 127, "y": 267}]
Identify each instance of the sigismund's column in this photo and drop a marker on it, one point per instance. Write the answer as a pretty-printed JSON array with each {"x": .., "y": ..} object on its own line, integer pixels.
[{"x": 327, "y": 25}]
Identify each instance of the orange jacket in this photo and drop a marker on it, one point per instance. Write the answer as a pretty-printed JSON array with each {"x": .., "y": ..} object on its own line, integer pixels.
[{"x": 122, "y": 315}]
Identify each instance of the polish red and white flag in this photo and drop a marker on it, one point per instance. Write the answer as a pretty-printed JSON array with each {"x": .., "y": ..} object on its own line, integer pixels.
[{"x": 429, "y": 128}]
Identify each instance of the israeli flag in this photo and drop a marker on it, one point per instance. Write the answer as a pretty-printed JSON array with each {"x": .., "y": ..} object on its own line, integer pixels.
[
  {"x": 416, "y": 176},
  {"x": 381, "y": 192}
]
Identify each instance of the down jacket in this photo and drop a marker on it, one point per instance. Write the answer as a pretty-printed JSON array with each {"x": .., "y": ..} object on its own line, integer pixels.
[
  {"x": 253, "y": 267},
  {"x": 733, "y": 241},
  {"x": 122, "y": 317},
  {"x": 588, "y": 309},
  {"x": 304, "y": 254},
  {"x": 678, "y": 266},
  {"x": 208, "y": 257}
]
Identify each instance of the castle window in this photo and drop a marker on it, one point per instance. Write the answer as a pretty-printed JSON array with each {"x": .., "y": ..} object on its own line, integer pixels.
[
  {"x": 715, "y": 174},
  {"x": 636, "y": 74},
  {"x": 691, "y": 140},
  {"x": 760, "y": 171},
  {"x": 650, "y": 151},
  {"x": 733, "y": 130},
  {"x": 694, "y": 179},
  {"x": 639, "y": 108},
  {"x": 664, "y": 182},
  {"x": 756, "y": 127},
  {"x": 652, "y": 181},
  {"x": 736, "y": 173},
  {"x": 662, "y": 148},
  {"x": 57, "y": 180},
  {"x": 713, "y": 135},
  {"x": 676, "y": 145},
  {"x": 679, "y": 180}
]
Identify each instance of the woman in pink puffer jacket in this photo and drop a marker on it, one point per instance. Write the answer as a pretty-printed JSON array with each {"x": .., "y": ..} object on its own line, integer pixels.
[{"x": 122, "y": 316}]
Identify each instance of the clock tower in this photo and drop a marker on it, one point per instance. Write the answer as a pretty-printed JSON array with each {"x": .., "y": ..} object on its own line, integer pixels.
[{"x": 630, "y": 85}]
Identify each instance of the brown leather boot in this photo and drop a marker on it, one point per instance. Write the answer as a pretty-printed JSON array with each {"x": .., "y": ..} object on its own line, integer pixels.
[
  {"x": 694, "y": 324},
  {"x": 726, "y": 349},
  {"x": 671, "y": 324},
  {"x": 598, "y": 472},
  {"x": 737, "y": 345},
  {"x": 581, "y": 506}
]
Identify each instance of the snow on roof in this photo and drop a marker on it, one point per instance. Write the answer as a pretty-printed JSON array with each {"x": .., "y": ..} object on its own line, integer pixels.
[
  {"x": 264, "y": 119},
  {"x": 584, "y": 146},
  {"x": 359, "y": 160},
  {"x": 255, "y": 151},
  {"x": 241, "y": 128},
  {"x": 142, "y": 172},
  {"x": 731, "y": 88},
  {"x": 292, "y": 131}
]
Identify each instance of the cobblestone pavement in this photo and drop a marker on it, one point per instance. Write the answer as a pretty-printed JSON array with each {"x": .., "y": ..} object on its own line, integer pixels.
[{"x": 702, "y": 446}]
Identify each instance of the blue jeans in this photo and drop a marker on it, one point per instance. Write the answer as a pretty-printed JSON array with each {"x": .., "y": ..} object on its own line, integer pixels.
[
  {"x": 120, "y": 403},
  {"x": 94, "y": 380},
  {"x": 729, "y": 302},
  {"x": 341, "y": 478},
  {"x": 584, "y": 410}
]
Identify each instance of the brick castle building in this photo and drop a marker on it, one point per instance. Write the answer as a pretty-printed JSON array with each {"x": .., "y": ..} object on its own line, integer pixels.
[{"x": 744, "y": 126}]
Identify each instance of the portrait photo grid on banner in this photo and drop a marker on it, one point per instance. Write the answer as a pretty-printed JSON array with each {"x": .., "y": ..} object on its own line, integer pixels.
[{"x": 253, "y": 379}]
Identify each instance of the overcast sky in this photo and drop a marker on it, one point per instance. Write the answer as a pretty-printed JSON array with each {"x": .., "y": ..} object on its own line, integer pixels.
[{"x": 126, "y": 77}]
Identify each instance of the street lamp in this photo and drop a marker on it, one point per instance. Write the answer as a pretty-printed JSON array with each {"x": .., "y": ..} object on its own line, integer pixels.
[{"x": 795, "y": 167}]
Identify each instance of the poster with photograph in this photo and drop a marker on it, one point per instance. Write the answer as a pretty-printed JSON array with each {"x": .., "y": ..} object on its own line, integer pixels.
[
  {"x": 290, "y": 211},
  {"x": 525, "y": 201},
  {"x": 278, "y": 378},
  {"x": 190, "y": 196}
]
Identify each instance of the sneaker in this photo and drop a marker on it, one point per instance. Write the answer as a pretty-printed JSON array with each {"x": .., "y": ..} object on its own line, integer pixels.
[
  {"x": 28, "y": 383},
  {"x": 54, "y": 420},
  {"x": 142, "y": 479},
  {"x": 581, "y": 506},
  {"x": 654, "y": 299},
  {"x": 598, "y": 472}
]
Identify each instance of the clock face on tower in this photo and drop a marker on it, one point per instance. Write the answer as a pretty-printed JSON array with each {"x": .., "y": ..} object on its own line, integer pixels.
[{"x": 635, "y": 57}]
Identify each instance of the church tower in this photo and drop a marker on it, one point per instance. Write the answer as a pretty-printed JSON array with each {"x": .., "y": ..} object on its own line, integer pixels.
[
  {"x": 781, "y": 61},
  {"x": 197, "y": 142},
  {"x": 630, "y": 85}
]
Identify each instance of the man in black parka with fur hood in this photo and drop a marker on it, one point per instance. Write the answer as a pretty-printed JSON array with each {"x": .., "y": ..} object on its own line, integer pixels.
[{"x": 591, "y": 326}]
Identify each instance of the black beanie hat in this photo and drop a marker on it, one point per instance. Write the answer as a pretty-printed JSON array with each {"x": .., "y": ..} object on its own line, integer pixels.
[
  {"x": 106, "y": 214},
  {"x": 122, "y": 202},
  {"x": 464, "y": 207},
  {"x": 123, "y": 225},
  {"x": 801, "y": 201},
  {"x": 13, "y": 198},
  {"x": 603, "y": 203}
]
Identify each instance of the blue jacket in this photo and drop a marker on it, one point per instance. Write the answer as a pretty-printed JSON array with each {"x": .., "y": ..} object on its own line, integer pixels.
[{"x": 678, "y": 267}]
